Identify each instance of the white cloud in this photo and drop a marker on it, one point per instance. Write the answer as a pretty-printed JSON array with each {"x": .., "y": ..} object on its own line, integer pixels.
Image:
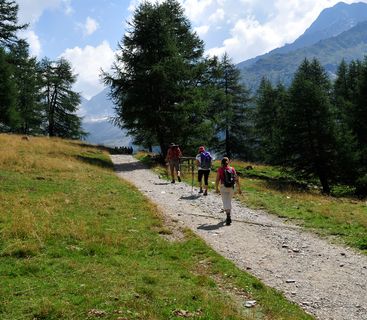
[
  {"x": 33, "y": 41},
  {"x": 217, "y": 16},
  {"x": 87, "y": 62},
  {"x": 195, "y": 8},
  {"x": 89, "y": 27},
  {"x": 202, "y": 30},
  {"x": 31, "y": 10}
]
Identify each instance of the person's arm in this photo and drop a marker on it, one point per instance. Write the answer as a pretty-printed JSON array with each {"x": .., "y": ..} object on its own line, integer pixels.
[
  {"x": 217, "y": 179},
  {"x": 197, "y": 161}
]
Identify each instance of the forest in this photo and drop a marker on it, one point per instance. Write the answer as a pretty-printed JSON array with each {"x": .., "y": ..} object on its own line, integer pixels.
[{"x": 36, "y": 97}]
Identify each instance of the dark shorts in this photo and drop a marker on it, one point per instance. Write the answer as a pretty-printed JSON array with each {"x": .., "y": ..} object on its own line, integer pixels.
[{"x": 204, "y": 173}]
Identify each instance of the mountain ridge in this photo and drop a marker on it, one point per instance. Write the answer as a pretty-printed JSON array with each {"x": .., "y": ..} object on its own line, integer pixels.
[
  {"x": 280, "y": 67},
  {"x": 330, "y": 23}
]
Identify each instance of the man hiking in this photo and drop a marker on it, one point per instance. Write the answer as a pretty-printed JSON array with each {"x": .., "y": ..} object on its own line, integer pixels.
[
  {"x": 204, "y": 163},
  {"x": 173, "y": 159}
]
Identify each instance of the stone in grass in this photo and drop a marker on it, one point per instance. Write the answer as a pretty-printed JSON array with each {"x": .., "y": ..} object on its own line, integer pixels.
[{"x": 250, "y": 303}]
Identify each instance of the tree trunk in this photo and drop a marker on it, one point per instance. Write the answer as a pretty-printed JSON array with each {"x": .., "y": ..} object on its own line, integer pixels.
[{"x": 324, "y": 182}]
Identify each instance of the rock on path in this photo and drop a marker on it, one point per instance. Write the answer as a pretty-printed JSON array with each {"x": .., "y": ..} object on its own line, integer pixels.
[{"x": 326, "y": 280}]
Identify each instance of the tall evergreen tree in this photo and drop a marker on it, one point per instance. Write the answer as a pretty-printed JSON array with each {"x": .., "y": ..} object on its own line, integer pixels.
[
  {"x": 8, "y": 94},
  {"x": 9, "y": 22},
  {"x": 156, "y": 77},
  {"x": 231, "y": 109},
  {"x": 28, "y": 79},
  {"x": 308, "y": 132},
  {"x": 61, "y": 102},
  {"x": 270, "y": 104},
  {"x": 348, "y": 152},
  {"x": 360, "y": 111}
]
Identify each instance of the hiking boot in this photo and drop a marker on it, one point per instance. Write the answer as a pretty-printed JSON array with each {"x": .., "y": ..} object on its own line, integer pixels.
[
  {"x": 179, "y": 179},
  {"x": 205, "y": 192},
  {"x": 228, "y": 220},
  {"x": 201, "y": 190},
  {"x": 173, "y": 181}
]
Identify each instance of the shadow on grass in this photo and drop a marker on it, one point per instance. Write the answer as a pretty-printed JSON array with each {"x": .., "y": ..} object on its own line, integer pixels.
[
  {"x": 95, "y": 161},
  {"x": 286, "y": 185}
]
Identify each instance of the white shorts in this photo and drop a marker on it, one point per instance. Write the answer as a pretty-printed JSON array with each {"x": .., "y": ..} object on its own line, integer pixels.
[{"x": 227, "y": 194}]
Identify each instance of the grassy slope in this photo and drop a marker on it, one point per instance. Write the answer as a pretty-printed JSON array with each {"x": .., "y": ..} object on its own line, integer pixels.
[
  {"x": 77, "y": 242},
  {"x": 344, "y": 219}
]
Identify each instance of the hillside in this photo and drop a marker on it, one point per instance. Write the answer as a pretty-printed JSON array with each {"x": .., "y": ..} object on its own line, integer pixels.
[
  {"x": 77, "y": 242},
  {"x": 349, "y": 45}
]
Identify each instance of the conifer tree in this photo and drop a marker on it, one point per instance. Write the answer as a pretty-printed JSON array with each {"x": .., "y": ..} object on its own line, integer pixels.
[
  {"x": 348, "y": 153},
  {"x": 28, "y": 79},
  {"x": 8, "y": 94},
  {"x": 308, "y": 129},
  {"x": 232, "y": 114},
  {"x": 270, "y": 103},
  {"x": 9, "y": 22},
  {"x": 61, "y": 102},
  {"x": 156, "y": 77}
]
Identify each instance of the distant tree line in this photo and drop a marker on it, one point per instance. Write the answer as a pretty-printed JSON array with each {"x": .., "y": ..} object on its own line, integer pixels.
[
  {"x": 36, "y": 97},
  {"x": 165, "y": 90}
]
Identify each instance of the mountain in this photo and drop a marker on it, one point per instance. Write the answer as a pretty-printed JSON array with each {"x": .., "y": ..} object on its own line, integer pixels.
[
  {"x": 349, "y": 45},
  {"x": 338, "y": 31},
  {"x": 96, "y": 113}
]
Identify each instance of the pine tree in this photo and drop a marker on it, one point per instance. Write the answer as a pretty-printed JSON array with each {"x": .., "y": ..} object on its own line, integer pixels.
[
  {"x": 270, "y": 103},
  {"x": 61, "y": 102},
  {"x": 348, "y": 153},
  {"x": 9, "y": 22},
  {"x": 231, "y": 110},
  {"x": 28, "y": 79},
  {"x": 156, "y": 78},
  {"x": 9, "y": 117},
  {"x": 308, "y": 129}
]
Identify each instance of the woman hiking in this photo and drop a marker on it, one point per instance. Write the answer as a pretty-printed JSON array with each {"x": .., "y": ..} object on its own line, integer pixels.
[{"x": 227, "y": 178}]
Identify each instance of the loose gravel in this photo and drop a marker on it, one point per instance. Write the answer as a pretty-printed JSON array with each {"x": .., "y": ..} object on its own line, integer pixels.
[{"x": 326, "y": 280}]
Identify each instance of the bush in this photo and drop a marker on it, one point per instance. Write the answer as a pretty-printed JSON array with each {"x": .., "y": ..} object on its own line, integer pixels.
[{"x": 361, "y": 185}]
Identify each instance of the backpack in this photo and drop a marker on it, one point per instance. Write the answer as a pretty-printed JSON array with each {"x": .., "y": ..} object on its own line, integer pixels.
[
  {"x": 205, "y": 160},
  {"x": 229, "y": 177}
]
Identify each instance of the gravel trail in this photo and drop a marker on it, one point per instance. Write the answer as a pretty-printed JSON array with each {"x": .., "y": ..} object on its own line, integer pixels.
[{"x": 326, "y": 280}]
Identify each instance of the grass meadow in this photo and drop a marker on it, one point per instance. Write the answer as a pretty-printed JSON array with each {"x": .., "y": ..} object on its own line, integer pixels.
[
  {"x": 342, "y": 219},
  {"x": 77, "y": 242}
]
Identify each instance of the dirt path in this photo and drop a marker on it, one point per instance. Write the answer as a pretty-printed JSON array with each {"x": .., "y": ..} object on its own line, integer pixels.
[{"x": 327, "y": 281}]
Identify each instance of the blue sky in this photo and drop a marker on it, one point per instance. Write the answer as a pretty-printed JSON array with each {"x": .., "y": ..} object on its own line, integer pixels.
[{"x": 87, "y": 32}]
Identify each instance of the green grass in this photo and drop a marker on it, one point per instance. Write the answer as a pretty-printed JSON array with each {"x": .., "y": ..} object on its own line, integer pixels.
[
  {"x": 344, "y": 219},
  {"x": 77, "y": 242}
]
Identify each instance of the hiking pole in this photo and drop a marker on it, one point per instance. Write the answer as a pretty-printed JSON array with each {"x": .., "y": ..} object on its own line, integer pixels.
[{"x": 192, "y": 176}]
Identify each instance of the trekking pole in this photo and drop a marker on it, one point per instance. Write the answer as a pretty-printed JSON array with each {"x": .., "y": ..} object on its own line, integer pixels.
[{"x": 192, "y": 176}]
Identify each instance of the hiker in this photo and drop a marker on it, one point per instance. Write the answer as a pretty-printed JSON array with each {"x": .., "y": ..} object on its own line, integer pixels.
[
  {"x": 204, "y": 163},
  {"x": 227, "y": 177},
  {"x": 173, "y": 159}
]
